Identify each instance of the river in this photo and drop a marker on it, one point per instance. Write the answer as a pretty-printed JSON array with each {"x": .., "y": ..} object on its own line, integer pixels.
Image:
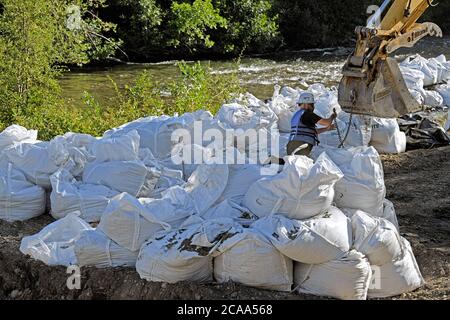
[{"x": 258, "y": 75}]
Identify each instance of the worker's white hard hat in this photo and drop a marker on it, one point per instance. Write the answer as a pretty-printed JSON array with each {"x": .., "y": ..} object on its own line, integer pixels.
[{"x": 306, "y": 97}]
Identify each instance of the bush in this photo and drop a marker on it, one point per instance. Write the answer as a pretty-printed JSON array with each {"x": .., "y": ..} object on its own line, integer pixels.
[{"x": 197, "y": 89}]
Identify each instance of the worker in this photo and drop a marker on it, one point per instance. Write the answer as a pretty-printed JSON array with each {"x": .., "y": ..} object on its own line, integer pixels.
[{"x": 304, "y": 134}]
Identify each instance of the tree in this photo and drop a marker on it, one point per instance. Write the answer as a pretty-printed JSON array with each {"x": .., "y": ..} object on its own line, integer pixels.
[
  {"x": 191, "y": 24},
  {"x": 37, "y": 39}
]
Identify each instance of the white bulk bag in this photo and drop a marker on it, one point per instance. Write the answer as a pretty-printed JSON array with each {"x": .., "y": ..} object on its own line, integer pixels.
[
  {"x": 433, "y": 99},
  {"x": 414, "y": 79},
  {"x": 347, "y": 278},
  {"x": 123, "y": 221},
  {"x": 376, "y": 238},
  {"x": 250, "y": 259},
  {"x": 231, "y": 210},
  {"x": 20, "y": 200},
  {"x": 362, "y": 186},
  {"x": 34, "y": 160},
  {"x": 120, "y": 148},
  {"x": 419, "y": 63},
  {"x": 183, "y": 255},
  {"x": 418, "y": 96},
  {"x": 302, "y": 190},
  {"x": 149, "y": 131},
  {"x": 389, "y": 213},
  {"x": 240, "y": 178},
  {"x": 387, "y": 137},
  {"x": 94, "y": 248},
  {"x": 54, "y": 244},
  {"x": 69, "y": 195},
  {"x": 399, "y": 276},
  {"x": 206, "y": 185},
  {"x": 444, "y": 91},
  {"x": 320, "y": 239},
  {"x": 360, "y": 131},
  {"x": 325, "y": 100},
  {"x": 123, "y": 176},
  {"x": 279, "y": 105},
  {"x": 16, "y": 133},
  {"x": 237, "y": 116}
]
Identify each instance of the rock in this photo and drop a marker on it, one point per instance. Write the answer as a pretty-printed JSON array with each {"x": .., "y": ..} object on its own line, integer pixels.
[{"x": 15, "y": 293}]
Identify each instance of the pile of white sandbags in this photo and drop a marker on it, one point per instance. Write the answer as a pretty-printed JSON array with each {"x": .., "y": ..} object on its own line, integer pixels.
[
  {"x": 422, "y": 74},
  {"x": 323, "y": 226}
]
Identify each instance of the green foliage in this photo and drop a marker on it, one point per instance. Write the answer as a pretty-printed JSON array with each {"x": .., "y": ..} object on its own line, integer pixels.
[
  {"x": 196, "y": 89},
  {"x": 200, "y": 89},
  {"x": 158, "y": 29},
  {"x": 251, "y": 25},
  {"x": 318, "y": 23},
  {"x": 192, "y": 22},
  {"x": 37, "y": 39}
]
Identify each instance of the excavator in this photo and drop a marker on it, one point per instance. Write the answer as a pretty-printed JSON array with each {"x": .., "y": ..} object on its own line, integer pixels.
[{"x": 372, "y": 83}]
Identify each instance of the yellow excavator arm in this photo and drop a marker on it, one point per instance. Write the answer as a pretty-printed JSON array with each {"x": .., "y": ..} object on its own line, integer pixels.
[{"x": 372, "y": 83}]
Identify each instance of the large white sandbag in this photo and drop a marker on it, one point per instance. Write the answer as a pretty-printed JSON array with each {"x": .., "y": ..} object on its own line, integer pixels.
[
  {"x": 418, "y": 96},
  {"x": 433, "y": 98},
  {"x": 444, "y": 91},
  {"x": 317, "y": 240},
  {"x": 237, "y": 116},
  {"x": 54, "y": 244},
  {"x": 347, "y": 278},
  {"x": 231, "y": 210},
  {"x": 120, "y": 148},
  {"x": 446, "y": 64},
  {"x": 94, "y": 248},
  {"x": 249, "y": 258},
  {"x": 389, "y": 213},
  {"x": 325, "y": 100},
  {"x": 414, "y": 78},
  {"x": 387, "y": 137},
  {"x": 360, "y": 131},
  {"x": 185, "y": 254},
  {"x": 124, "y": 176},
  {"x": 20, "y": 200},
  {"x": 419, "y": 63},
  {"x": 376, "y": 238},
  {"x": 35, "y": 160},
  {"x": 206, "y": 185},
  {"x": 124, "y": 222},
  {"x": 283, "y": 110},
  {"x": 302, "y": 190},
  {"x": 399, "y": 276},
  {"x": 69, "y": 195},
  {"x": 16, "y": 133},
  {"x": 362, "y": 186},
  {"x": 240, "y": 178}
]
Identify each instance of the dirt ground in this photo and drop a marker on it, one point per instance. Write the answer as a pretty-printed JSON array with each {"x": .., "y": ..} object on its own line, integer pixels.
[{"x": 417, "y": 182}]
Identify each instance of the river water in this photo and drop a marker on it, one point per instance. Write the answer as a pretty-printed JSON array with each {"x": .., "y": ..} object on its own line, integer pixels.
[{"x": 258, "y": 75}]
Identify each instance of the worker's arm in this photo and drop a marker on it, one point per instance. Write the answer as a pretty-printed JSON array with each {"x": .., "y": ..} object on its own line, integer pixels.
[
  {"x": 322, "y": 130},
  {"x": 328, "y": 122}
]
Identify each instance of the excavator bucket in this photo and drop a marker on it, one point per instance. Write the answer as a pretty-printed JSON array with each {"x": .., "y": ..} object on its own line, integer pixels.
[{"x": 386, "y": 96}]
